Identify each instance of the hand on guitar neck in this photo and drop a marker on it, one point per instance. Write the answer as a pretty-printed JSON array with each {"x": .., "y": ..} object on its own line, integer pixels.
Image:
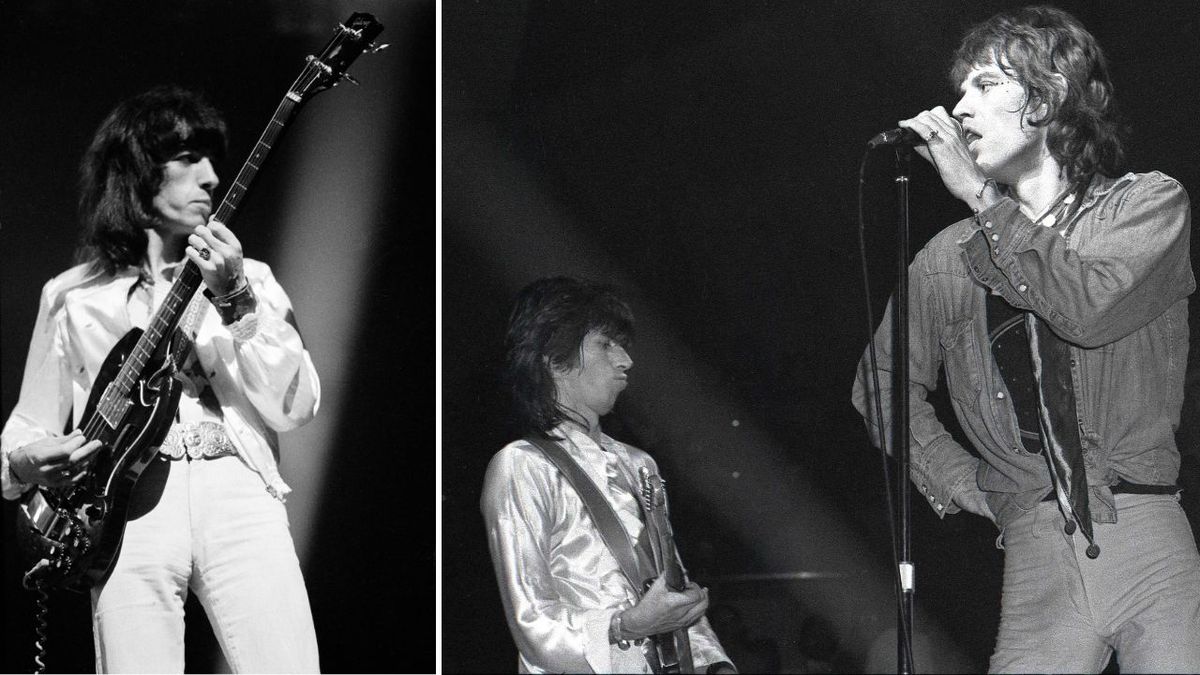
[
  {"x": 221, "y": 267},
  {"x": 662, "y": 610}
]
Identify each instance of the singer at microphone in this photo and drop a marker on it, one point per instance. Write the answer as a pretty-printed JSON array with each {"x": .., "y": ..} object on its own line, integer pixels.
[{"x": 1056, "y": 306}]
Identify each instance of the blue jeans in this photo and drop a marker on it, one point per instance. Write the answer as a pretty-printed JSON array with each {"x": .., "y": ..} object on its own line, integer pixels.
[
  {"x": 1063, "y": 612},
  {"x": 209, "y": 525}
]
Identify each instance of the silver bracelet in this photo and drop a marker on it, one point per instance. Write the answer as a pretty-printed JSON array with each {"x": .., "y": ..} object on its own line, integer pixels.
[{"x": 617, "y": 630}]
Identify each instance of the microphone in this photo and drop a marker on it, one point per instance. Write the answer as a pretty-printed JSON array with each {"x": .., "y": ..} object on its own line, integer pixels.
[{"x": 897, "y": 136}]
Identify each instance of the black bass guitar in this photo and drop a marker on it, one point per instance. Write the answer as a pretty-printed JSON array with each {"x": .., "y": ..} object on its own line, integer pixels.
[
  {"x": 672, "y": 650},
  {"x": 71, "y": 536}
]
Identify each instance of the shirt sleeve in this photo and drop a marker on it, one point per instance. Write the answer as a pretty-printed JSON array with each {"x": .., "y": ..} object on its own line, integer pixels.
[
  {"x": 940, "y": 467},
  {"x": 45, "y": 400},
  {"x": 1130, "y": 270},
  {"x": 551, "y": 635},
  {"x": 274, "y": 369}
]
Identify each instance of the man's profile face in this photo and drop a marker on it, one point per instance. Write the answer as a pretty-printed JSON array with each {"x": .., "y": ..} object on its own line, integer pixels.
[
  {"x": 996, "y": 127},
  {"x": 184, "y": 199},
  {"x": 593, "y": 384}
]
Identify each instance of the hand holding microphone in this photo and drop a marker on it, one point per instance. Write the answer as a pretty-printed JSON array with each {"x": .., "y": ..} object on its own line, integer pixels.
[
  {"x": 897, "y": 136},
  {"x": 938, "y": 138}
]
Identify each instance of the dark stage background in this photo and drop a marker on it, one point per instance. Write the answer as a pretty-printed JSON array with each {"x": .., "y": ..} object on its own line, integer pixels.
[
  {"x": 704, "y": 157},
  {"x": 355, "y": 181}
]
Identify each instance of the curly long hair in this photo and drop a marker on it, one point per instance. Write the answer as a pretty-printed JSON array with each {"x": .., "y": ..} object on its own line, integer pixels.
[
  {"x": 546, "y": 329},
  {"x": 1035, "y": 45},
  {"x": 122, "y": 170}
]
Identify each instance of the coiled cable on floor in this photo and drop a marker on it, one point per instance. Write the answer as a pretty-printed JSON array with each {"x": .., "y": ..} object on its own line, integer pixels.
[{"x": 41, "y": 627}]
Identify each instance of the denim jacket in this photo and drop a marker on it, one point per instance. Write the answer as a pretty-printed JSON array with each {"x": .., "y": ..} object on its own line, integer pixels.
[{"x": 1115, "y": 287}]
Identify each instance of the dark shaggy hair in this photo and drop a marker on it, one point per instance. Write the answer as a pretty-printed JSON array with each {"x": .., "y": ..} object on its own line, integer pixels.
[
  {"x": 122, "y": 170},
  {"x": 546, "y": 329},
  {"x": 1034, "y": 44}
]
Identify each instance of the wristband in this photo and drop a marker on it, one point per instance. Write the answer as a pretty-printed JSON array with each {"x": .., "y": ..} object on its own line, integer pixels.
[
  {"x": 233, "y": 306},
  {"x": 614, "y": 631}
]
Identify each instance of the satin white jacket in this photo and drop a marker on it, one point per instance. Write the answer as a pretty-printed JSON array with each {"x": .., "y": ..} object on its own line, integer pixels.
[{"x": 559, "y": 582}]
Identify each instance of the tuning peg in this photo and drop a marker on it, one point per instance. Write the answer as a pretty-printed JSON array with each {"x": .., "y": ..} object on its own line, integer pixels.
[
  {"x": 375, "y": 49},
  {"x": 348, "y": 76}
]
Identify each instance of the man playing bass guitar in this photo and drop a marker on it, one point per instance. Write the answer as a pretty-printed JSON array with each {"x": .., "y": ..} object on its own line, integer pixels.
[
  {"x": 207, "y": 513},
  {"x": 570, "y": 543}
]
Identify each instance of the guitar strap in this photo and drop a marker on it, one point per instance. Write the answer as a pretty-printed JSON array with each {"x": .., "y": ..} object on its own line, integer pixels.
[{"x": 607, "y": 523}]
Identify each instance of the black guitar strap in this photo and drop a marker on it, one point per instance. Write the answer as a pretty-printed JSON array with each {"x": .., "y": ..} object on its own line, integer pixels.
[{"x": 607, "y": 523}]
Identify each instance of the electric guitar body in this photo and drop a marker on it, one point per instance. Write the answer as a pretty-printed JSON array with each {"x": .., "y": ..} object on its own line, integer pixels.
[{"x": 75, "y": 533}]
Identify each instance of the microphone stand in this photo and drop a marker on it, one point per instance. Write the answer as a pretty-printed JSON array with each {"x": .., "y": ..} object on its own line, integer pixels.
[{"x": 900, "y": 420}]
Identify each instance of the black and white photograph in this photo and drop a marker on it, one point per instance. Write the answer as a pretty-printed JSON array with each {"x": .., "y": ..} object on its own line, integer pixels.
[
  {"x": 657, "y": 221},
  {"x": 217, "y": 229},
  {"x": 454, "y": 336}
]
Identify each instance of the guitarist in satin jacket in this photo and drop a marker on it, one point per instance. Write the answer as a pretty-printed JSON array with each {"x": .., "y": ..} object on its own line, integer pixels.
[
  {"x": 207, "y": 515},
  {"x": 569, "y": 606}
]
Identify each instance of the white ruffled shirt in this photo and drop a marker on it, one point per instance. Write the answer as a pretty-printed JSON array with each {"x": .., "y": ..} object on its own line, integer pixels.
[{"x": 258, "y": 367}]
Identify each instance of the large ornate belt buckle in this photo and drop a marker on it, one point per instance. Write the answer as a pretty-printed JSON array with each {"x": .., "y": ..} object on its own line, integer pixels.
[
  {"x": 193, "y": 443},
  {"x": 197, "y": 440}
]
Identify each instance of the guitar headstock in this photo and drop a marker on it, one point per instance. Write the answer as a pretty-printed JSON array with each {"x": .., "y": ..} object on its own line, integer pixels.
[
  {"x": 329, "y": 68},
  {"x": 653, "y": 492}
]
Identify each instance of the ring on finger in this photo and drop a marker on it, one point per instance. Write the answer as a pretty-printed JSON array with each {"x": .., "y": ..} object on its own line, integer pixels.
[
  {"x": 205, "y": 254},
  {"x": 932, "y": 135}
]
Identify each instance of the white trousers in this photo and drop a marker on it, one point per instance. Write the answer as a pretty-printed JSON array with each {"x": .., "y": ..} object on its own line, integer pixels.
[{"x": 208, "y": 525}]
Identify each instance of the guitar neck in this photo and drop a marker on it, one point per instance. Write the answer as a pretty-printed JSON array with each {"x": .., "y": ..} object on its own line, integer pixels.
[
  {"x": 284, "y": 113},
  {"x": 672, "y": 651},
  {"x": 670, "y": 566}
]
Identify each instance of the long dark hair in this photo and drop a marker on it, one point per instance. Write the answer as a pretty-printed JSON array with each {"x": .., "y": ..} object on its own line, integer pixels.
[
  {"x": 1033, "y": 45},
  {"x": 547, "y": 326},
  {"x": 122, "y": 170}
]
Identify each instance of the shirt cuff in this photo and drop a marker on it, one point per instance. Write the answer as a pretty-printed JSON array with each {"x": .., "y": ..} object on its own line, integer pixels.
[
  {"x": 11, "y": 486},
  {"x": 1000, "y": 230},
  {"x": 940, "y": 475},
  {"x": 244, "y": 328}
]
